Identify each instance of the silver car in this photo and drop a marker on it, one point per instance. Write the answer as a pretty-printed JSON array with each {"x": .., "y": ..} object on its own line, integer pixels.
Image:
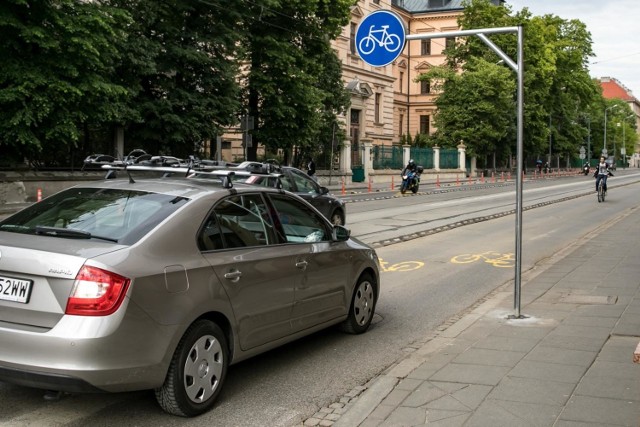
[{"x": 162, "y": 283}]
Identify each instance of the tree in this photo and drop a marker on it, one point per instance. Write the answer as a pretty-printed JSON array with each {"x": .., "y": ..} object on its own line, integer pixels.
[
  {"x": 475, "y": 106},
  {"x": 293, "y": 82},
  {"x": 556, "y": 80},
  {"x": 181, "y": 65},
  {"x": 58, "y": 60}
]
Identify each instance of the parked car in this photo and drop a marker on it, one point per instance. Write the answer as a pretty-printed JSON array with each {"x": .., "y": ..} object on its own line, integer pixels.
[
  {"x": 303, "y": 185},
  {"x": 162, "y": 283}
]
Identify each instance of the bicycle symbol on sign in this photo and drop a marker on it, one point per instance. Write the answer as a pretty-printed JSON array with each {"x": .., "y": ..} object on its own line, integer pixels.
[
  {"x": 494, "y": 258},
  {"x": 391, "y": 42},
  {"x": 401, "y": 266}
]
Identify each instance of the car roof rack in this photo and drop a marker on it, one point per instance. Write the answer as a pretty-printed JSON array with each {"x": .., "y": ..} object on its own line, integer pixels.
[{"x": 194, "y": 168}]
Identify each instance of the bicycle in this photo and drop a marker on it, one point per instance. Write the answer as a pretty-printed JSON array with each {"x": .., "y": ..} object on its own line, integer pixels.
[
  {"x": 601, "y": 192},
  {"x": 391, "y": 42}
]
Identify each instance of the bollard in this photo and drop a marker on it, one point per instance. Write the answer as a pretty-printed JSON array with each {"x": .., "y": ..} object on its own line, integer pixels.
[
  {"x": 392, "y": 186},
  {"x": 344, "y": 191},
  {"x": 370, "y": 185},
  {"x": 437, "y": 181},
  {"x": 502, "y": 176},
  {"x": 493, "y": 177},
  {"x": 482, "y": 177},
  {"x": 457, "y": 179},
  {"x": 39, "y": 194}
]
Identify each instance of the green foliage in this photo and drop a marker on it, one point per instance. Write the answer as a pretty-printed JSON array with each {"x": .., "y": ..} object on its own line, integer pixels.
[
  {"x": 181, "y": 66},
  {"x": 56, "y": 74},
  {"x": 293, "y": 86},
  {"x": 558, "y": 89},
  {"x": 171, "y": 74}
]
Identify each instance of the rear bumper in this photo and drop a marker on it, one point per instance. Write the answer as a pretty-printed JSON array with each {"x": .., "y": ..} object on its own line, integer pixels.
[
  {"x": 89, "y": 354},
  {"x": 47, "y": 381}
]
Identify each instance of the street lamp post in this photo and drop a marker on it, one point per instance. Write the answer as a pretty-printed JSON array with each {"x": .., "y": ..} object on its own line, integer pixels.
[{"x": 604, "y": 144}]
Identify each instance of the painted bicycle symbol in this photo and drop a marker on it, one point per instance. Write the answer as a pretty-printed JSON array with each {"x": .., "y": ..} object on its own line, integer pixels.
[
  {"x": 494, "y": 258},
  {"x": 401, "y": 266},
  {"x": 391, "y": 42}
]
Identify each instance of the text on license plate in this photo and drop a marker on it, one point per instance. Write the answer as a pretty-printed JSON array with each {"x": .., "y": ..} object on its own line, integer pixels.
[{"x": 12, "y": 289}]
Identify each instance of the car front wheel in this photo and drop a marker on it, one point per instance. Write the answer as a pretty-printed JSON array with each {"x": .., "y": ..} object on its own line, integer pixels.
[
  {"x": 197, "y": 371},
  {"x": 363, "y": 303}
]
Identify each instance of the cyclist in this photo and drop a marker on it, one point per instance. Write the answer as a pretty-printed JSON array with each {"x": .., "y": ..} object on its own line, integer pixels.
[{"x": 601, "y": 173}]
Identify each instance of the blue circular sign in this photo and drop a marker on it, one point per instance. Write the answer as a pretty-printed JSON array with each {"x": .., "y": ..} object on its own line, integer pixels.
[{"x": 380, "y": 38}]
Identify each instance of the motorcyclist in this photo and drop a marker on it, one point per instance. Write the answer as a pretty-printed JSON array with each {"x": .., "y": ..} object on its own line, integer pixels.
[
  {"x": 586, "y": 167},
  {"x": 411, "y": 167},
  {"x": 601, "y": 173}
]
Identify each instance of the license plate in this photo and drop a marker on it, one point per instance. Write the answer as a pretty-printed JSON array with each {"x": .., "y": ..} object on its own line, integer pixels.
[{"x": 17, "y": 290}]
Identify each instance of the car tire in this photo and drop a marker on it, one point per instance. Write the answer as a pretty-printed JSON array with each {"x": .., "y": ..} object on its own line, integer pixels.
[
  {"x": 337, "y": 218},
  {"x": 197, "y": 371},
  {"x": 363, "y": 304}
]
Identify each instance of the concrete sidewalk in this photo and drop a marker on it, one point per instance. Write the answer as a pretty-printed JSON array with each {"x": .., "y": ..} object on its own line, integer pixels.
[{"x": 568, "y": 363}]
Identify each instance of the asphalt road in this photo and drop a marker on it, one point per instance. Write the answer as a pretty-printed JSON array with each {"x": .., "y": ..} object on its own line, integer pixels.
[{"x": 427, "y": 283}]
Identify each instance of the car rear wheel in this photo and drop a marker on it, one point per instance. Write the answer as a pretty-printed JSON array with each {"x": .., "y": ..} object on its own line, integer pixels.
[
  {"x": 197, "y": 371},
  {"x": 363, "y": 303},
  {"x": 337, "y": 218}
]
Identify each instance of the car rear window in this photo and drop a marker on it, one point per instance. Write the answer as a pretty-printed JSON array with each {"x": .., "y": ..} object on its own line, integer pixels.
[{"x": 117, "y": 215}]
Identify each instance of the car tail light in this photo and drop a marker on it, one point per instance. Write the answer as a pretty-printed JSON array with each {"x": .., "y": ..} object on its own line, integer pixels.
[{"x": 96, "y": 292}]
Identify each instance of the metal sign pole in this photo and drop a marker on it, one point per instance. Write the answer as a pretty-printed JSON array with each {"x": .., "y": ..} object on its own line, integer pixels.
[{"x": 519, "y": 69}]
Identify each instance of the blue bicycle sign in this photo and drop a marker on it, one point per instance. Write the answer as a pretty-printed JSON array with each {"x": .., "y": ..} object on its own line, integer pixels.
[{"x": 380, "y": 38}]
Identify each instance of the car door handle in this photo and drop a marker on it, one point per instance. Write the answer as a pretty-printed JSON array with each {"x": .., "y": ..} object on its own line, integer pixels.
[
  {"x": 234, "y": 276},
  {"x": 302, "y": 265}
]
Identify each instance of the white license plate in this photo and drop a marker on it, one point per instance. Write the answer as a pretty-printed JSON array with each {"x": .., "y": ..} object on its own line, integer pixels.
[{"x": 17, "y": 290}]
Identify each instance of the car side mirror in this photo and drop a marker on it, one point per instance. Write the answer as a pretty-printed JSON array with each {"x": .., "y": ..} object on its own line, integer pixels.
[
  {"x": 324, "y": 190},
  {"x": 341, "y": 233}
]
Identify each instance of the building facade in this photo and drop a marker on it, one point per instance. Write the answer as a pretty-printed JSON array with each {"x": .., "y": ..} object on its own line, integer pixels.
[{"x": 613, "y": 89}]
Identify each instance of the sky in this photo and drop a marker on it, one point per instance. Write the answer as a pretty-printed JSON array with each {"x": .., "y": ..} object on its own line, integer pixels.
[{"x": 613, "y": 28}]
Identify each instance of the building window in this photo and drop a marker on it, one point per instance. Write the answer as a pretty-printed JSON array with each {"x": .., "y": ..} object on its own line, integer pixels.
[
  {"x": 401, "y": 81},
  {"x": 352, "y": 40},
  {"x": 425, "y": 86},
  {"x": 400, "y": 124},
  {"x": 425, "y": 47},
  {"x": 450, "y": 42},
  {"x": 376, "y": 1},
  {"x": 424, "y": 125},
  {"x": 377, "y": 108}
]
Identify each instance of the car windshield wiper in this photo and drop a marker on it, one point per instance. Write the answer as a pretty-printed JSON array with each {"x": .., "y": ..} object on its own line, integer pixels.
[{"x": 69, "y": 233}]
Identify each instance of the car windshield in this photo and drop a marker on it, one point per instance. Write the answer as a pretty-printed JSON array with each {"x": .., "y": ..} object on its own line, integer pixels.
[{"x": 122, "y": 216}]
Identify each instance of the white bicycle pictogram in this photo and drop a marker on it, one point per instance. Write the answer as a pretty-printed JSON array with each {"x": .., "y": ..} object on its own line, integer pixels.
[{"x": 391, "y": 42}]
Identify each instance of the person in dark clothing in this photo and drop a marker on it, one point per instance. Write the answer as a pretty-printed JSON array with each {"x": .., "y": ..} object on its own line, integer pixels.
[{"x": 311, "y": 168}]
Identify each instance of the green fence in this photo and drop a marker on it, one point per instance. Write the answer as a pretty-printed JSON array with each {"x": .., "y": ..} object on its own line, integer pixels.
[
  {"x": 449, "y": 159},
  {"x": 387, "y": 157},
  {"x": 422, "y": 156}
]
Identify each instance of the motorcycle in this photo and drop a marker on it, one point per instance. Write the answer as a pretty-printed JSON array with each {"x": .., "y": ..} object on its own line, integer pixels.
[
  {"x": 585, "y": 169},
  {"x": 411, "y": 180}
]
